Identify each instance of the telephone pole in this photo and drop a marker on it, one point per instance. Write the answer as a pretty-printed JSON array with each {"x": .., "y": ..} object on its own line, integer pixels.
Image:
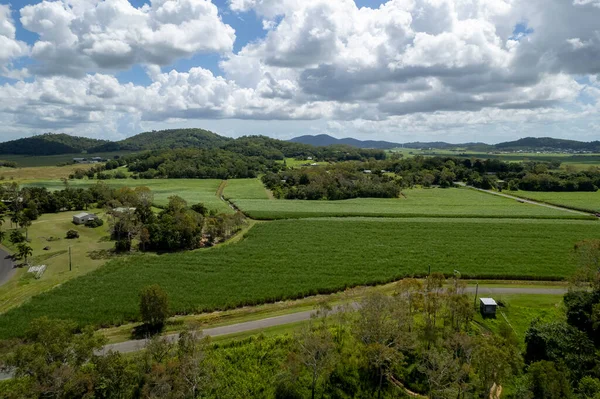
[{"x": 70, "y": 264}]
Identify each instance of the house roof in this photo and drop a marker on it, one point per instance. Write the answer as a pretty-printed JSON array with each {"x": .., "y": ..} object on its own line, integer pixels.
[
  {"x": 83, "y": 214},
  {"x": 488, "y": 301}
]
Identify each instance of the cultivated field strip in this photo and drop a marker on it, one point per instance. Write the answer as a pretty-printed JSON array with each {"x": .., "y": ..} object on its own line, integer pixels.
[{"x": 296, "y": 258}]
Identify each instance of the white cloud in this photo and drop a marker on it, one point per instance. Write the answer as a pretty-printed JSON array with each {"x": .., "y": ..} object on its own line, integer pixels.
[
  {"x": 10, "y": 48},
  {"x": 78, "y": 37},
  {"x": 417, "y": 66}
]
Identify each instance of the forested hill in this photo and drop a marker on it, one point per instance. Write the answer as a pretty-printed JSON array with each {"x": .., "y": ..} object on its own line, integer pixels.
[
  {"x": 166, "y": 139},
  {"x": 49, "y": 144},
  {"x": 533, "y": 143},
  {"x": 325, "y": 140}
]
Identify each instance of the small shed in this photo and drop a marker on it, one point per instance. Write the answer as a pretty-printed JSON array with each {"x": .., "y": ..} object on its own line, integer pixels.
[
  {"x": 487, "y": 307},
  {"x": 83, "y": 217}
]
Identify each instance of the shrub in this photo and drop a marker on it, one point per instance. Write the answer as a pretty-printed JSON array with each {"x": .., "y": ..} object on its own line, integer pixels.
[
  {"x": 154, "y": 306},
  {"x": 93, "y": 223},
  {"x": 123, "y": 245},
  {"x": 71, "y": 234}
]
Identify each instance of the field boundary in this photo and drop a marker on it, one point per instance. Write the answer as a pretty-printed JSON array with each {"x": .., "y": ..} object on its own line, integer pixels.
[
  {"x": 532, "y": 201},
  {"x": 574, "y": 208}
]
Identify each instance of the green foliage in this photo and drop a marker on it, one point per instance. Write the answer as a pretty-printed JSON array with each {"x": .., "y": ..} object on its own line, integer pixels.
[
  {"x": 71, "y": 234},
  {"x": 16, "y": 237},
  {"x": 93, "y": 223},
  {"x": 547, "y": 382},
  {"x": 49, "y": 144},
  {"x": 335, "y": 183},
  {"x": 154, "y": 306},
  {"x": 292, "y": 259}
]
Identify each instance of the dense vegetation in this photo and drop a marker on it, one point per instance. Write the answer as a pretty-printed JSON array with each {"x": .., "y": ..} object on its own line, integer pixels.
[
  {"x": 165, "y": 139},
  {"x": 335, "y": 183},
  {"x": 49, "y": 144},
  {"x": 290, "y": 259}
]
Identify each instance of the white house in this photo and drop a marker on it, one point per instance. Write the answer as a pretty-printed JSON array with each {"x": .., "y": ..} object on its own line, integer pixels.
[{"x": 83, "y": 217}]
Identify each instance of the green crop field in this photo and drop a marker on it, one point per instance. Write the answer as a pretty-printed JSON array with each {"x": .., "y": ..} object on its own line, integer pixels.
[
  {"x": 452, "y": 202},
  {"x": 192, "y": 190},
  {"x": 245, "y": 188},
  {"x": 295, "y": 258},
  {"x": 587, "y": 201}
]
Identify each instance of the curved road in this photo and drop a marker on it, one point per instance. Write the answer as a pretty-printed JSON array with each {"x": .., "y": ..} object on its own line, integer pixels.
[
  {"x": 137, "y": 345},
  {"x": 7, "y": 266}
]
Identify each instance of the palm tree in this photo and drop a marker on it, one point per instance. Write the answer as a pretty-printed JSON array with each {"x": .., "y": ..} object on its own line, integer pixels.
[{"x": 25, "y": 251}]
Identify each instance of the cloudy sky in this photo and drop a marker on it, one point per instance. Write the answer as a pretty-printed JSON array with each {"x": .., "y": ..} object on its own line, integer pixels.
[{"x": 402, "y": 70}]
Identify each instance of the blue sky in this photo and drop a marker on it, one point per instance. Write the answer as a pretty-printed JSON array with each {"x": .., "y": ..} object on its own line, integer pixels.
[{"x": 455, "y": 70}]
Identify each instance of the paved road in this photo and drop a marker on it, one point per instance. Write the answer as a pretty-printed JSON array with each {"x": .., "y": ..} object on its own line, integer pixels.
[
  {"x": 136, "y": 345},
  {"x": 526, "y": 201},
  {"x": 7, "y": 267}
]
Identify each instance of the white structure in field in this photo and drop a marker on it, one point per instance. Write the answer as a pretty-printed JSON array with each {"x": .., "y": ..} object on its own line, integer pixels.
[
  {"x": 83, "y": 217},
  {"x": 37, "y": 271}
]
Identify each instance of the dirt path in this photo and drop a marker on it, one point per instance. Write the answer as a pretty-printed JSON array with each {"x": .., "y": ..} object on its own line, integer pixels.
[{"x": 523, "y": 200}]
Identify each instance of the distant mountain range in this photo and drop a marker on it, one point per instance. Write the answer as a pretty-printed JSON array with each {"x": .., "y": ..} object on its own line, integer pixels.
[
  {"x": 528, "y": 143},
  {"x": 55, "y": 144}
]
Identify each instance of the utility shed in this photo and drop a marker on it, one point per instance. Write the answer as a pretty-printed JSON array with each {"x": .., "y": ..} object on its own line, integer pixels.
[
  {"x": 83, "y": 217},
  {"x": 487, "y": 306}
]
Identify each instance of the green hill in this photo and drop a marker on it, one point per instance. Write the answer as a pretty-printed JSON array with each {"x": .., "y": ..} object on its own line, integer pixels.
[
  {"x": 49, "y": 144},
  {"x": 542, "y": 143},
  {"x": 166, "y": 139}
]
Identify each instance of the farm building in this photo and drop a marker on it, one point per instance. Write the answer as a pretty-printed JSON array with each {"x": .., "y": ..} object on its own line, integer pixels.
[
  {"x": 487, "y": 307},
  {"x": 83, "y": 217}
]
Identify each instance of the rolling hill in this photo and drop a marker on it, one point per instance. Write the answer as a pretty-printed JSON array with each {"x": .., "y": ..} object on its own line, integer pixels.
[
  {"x": 49, "y": 144},
  {"x": 165, "y": 139},
  {"x": 326, "y": 140}
]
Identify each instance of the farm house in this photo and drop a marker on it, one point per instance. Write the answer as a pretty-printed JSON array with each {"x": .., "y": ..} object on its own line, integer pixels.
[{"x": 83, "y": 217}]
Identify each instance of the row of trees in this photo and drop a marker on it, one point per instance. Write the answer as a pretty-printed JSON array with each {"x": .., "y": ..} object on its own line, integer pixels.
[
  {"x": 333, "y": 183},
  {"x": 176, "y": 227}
]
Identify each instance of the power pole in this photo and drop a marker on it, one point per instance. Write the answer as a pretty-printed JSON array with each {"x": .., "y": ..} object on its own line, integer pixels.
[
  {"x": 476, "y": 292},
  {"x": 70, "y": 264}
]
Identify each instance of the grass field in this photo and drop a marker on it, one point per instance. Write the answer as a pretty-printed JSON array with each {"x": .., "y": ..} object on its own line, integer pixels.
[
  {"x": 521, "y": 310},
  {"x": 40, "y": 172},
  {"x": 245, "y": 188},
  {"x": 26, "y": 161},
  {"x": 85, "y": 253},
  {"x": 192, "y": 190},
  {"x": 452, "y": 202},
  {"x": 587, "y": 201},
  {"x": 296, "y": 258}
]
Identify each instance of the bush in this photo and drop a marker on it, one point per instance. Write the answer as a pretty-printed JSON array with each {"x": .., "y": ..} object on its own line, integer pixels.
[
  {"x": 71, "y": 234},
  {"x": 93, "y": 223},
  {"x": 154, "y": 306},
  {"x": 123, "y": 245}
]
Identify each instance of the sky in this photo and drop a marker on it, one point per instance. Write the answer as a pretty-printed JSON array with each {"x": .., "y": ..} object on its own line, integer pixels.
[{"x": 397, "y": 70}]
